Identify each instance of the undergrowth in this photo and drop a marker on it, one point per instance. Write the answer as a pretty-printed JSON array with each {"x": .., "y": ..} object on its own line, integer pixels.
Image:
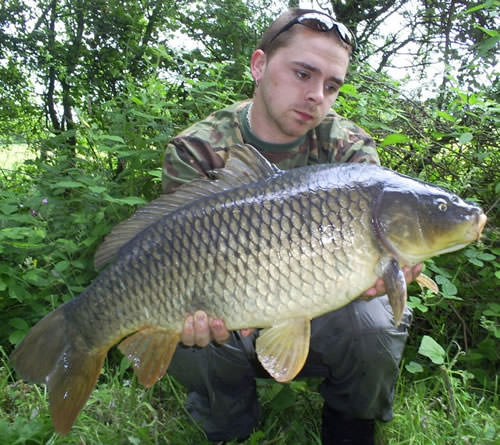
[{"x": 442, "y": 408}]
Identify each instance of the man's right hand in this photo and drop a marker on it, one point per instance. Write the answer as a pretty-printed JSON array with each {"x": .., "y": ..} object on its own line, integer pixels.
[{"x": 199, "y": 330}]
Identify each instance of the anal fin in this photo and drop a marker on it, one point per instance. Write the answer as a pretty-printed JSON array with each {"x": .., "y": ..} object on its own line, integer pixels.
[
  {"x": 282, "y": 349},
  {"x": 150, "y": 350}
]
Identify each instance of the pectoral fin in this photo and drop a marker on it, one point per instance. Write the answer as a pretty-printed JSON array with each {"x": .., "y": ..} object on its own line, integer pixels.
[
  {"x": 425, "y": 281},
  {"x": 395, "y": 285},
  {"x": 150, "y": 351},
  {"x": 283, "y": 348}
]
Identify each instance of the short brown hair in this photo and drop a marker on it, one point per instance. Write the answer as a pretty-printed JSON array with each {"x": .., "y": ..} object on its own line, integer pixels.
[{"x": 270, "y": 43}]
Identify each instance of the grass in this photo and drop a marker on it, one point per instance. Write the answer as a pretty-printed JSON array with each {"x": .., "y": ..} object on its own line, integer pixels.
[
  {"x": 443, "y": 409},
  {"x": 120, "y": 411}
]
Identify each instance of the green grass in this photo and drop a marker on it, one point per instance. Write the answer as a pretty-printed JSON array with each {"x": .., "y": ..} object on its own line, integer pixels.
[
  {"x": 444, "y": 410},
  {"x": 120, "y": 411}
]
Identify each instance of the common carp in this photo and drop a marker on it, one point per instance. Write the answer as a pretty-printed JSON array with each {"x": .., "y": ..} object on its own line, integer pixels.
[{"x": 256, "y": 246}]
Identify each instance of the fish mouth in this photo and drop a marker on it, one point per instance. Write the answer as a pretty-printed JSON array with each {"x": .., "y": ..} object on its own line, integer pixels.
[
  {"x": 475, "y": 230},
  {"x": 471, "y": 233}
]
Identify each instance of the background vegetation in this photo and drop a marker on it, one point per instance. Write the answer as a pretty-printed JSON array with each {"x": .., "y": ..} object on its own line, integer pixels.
[{"x": 91, "y": 92}]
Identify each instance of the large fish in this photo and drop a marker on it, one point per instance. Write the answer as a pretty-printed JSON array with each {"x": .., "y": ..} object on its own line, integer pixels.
[{"x": 257, "y": 247}]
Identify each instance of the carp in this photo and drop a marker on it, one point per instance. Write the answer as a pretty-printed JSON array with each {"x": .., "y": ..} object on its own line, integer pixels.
[{"x": 256, "y": 246}]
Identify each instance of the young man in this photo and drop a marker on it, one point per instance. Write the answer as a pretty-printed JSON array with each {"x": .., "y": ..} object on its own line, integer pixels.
[{"x": 298, "y": 68}]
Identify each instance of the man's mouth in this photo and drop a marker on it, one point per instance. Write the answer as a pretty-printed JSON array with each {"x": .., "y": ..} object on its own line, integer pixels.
[{"x": 304, "y": 116}]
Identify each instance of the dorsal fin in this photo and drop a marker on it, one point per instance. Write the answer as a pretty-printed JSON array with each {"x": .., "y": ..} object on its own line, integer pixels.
[{"x": 244, "y": 165}]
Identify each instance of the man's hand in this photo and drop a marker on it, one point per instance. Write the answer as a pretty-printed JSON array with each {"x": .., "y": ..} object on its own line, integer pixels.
[
  {"x": 411, "y": 273},
  {"x": 200, "y": 330}
]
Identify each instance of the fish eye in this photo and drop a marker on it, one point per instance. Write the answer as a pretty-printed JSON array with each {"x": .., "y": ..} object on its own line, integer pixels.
[{"x": 441, "y": 205}]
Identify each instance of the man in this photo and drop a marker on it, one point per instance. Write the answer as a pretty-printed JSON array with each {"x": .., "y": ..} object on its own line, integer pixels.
[{"x": 298, "y": 68}]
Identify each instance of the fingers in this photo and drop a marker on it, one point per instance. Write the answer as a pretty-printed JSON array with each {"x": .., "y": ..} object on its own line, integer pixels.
[
  {"x": 246, "y": 332},
  {"x": 375, "y": 291},
  {"x": 410, "y": 273},
  {"x": 187, "y": 335},
  {"x": 199, "y": 330},
  {"x": 219, "y": 332}
]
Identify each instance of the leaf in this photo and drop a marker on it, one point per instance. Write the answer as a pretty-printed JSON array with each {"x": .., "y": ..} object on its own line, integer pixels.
[
  {"x": 432, "y": 350},
  {"x": 16, "y": 337},
  {"x": 67, "y": 184},
  {"x": 349, "y": 89},
  {"x": 13, "y": 233},
  {"x": 477, "y": 8},
  {"x": 35, "y": 277},
  {"x": 493, "y": 309},
  {"x": 465, "y": 138},
  {"x": 414, "y": 367},
  {"x": 157, "y": 173},
  {"x": 476, "y": 262},
  {"x": 8, "y": 208},
  {"x": 446, "y": 116},
  {"x": 490, "y": 32},
  {"x": 486, "y": 256},
  {"x": 447, "y": 287},
  {"x": 19, "y": 324},
  {"x": 97, "y": 189},
  {"x": 416, "y": 303},
  {"x": 485, "y": 46},
  {"x": 284, "y": 399},
  {"x": 111, "y": 137},
  {"x": 129, "y": 200},
  {"x": 61, "y": 266},
  {"x": 394, "y": 138}
]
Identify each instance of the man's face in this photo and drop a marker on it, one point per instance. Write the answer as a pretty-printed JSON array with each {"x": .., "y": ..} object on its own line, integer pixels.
[{"x": 298, "y": 85}]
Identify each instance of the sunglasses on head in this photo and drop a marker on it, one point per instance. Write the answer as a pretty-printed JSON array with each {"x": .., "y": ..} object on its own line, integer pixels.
[{"x": 319, "y": 22}]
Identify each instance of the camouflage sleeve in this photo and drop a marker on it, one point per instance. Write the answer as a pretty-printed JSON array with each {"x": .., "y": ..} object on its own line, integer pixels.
[
  {"x": 190, "y": 155},
  {"x": 347, "y": 142},
  {"x": 187, "y": 158},
  {"x": 361, "y": 147}
]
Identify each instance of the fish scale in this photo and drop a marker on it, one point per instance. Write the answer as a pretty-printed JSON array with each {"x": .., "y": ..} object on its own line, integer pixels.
[{"x": 257, "y": 247}]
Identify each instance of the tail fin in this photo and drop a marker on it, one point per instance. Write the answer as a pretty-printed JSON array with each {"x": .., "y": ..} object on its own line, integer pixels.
[{"x": 55, "y": 354}]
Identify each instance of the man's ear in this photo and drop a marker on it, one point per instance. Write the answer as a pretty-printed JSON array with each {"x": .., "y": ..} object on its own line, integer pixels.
[{"x": 258, "y": 64}]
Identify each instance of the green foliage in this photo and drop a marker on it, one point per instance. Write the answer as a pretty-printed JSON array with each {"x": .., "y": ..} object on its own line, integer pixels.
[
  {"x": 125, "y": 91},
  {"x": 51, "y": 220},
  {"x": 55, "y": 210}
]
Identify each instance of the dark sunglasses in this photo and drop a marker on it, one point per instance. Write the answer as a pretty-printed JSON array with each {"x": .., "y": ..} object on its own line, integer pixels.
[{"x": 319, "y": 22}]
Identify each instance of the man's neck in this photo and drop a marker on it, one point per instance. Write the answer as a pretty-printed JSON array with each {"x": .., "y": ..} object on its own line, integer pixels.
[{"x": 250, "y": 136}]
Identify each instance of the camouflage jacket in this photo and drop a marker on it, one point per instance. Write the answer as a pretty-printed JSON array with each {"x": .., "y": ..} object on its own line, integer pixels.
[{"x": 336, "y": 139}]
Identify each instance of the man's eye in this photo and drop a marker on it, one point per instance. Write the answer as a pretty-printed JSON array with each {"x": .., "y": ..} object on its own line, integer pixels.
[
  {"x": 332, "y": 88},
  {"x": 302, "y": 74}
]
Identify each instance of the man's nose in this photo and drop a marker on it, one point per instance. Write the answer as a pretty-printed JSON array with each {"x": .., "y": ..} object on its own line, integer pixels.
[{"x": 316, "y": 92}]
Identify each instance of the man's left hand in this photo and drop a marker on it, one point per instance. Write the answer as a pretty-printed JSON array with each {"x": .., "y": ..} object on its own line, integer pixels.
[{"x": 411, "y": 273}]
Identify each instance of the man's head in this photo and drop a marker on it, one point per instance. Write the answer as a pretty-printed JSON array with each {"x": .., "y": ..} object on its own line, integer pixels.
[
  {"x": 298, "y": 67},
  {"x": 283, "y": 28}
]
